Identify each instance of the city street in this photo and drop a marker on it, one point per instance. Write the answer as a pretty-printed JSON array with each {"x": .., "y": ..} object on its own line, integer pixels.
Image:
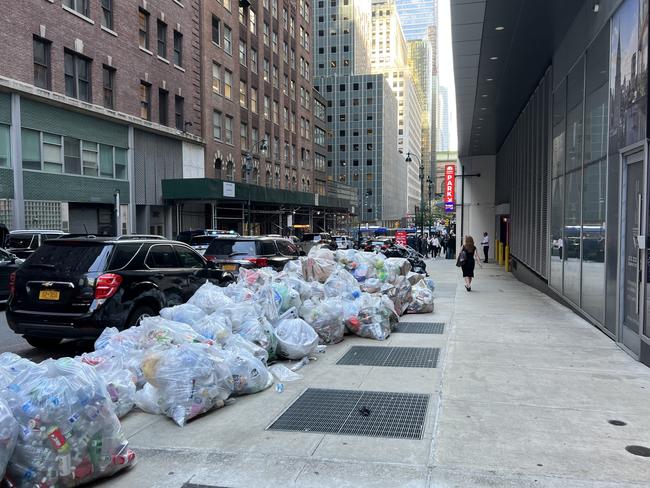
[{"x": 11, "y": 342}]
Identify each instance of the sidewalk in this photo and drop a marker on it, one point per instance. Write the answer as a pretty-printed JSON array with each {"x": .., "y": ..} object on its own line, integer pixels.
[{"x": 521, "y": 396}]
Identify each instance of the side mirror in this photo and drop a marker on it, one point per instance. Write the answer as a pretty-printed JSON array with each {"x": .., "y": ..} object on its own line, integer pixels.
[{"x": 211, "y": 265}]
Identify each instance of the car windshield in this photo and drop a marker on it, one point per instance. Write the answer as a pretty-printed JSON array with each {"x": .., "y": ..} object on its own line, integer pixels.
[
  {"x": 231, "y": 247},
  {"x": 20, "y": 241},
  {"x": 201, "y": 240},
  {"x": 68, "y": 257}
]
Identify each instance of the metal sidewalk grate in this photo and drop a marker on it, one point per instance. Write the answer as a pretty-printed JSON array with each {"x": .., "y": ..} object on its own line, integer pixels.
[
  {"x": 420, "y": 328},
  {"x": 362, "y": 413},
  {"x": 399, "y": 357}
]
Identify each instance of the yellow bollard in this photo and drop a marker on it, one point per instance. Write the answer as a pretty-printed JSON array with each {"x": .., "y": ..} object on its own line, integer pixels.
[
  {"x": 507, "y": 258},
  {"x": 499, "y": 262}
]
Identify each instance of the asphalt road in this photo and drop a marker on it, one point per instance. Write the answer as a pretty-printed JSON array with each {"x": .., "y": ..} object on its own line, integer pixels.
[{"x": 11, "y": 342}]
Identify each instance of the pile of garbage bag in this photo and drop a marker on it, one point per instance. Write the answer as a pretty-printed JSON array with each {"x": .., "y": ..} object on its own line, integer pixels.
[
  {"x": 68, "y": 431},
  {"x": 59, "y": 420}
]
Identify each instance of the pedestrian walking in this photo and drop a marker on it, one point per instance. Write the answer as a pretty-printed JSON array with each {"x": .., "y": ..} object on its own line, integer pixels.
[
  {"x": 485, "y": 242},
  {"x": 425, "y": 245},
  {"x": 451, "y": 247},
  {"x": 466, "y": 261},
  {"x": 435, "y": 244}
]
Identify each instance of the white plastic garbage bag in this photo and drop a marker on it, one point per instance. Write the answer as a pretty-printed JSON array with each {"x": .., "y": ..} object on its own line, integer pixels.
[
  {"x": 374, "y": 320},
  {"x": 216, "y": 327},
  {"x": 69, "y": 434},
  {"x": 421, "y": 300},
  {"x": 185, "y": 381},
  {"x": 296, "y": 338},
  {"x": 119, "y": 380},
  {"x": 249, "y": 374},
  {"x": 8, "y": 436},
  {"x": 342, "y": 284},
  {"x": 326, "y": 318},
  {"x": 185, "y": 313},
  {"x": 210, "y": 298}
]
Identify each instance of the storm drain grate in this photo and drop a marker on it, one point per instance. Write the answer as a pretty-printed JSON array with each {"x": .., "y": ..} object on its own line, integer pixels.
[
  {"x": 420, "y": 328},
  {"x": 362, "y": 413},
  {"x": 400, "y": 357}
]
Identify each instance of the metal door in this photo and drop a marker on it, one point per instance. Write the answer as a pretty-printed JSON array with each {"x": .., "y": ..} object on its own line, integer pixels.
[{"x": 633, "y": 248}]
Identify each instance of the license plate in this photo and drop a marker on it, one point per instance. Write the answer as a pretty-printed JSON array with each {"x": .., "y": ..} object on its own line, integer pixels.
[
  {"x": 230, "y": 267},
  {"x": 52, "y": 295}
]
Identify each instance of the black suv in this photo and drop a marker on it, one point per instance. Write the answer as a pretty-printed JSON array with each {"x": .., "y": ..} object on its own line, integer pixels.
[
  {"x": 74, "y": 288},
  {"x": 233, "y": 253}
]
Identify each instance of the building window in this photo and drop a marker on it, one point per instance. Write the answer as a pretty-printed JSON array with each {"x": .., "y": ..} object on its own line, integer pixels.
[
  {"x": 243, "y": 94},
  {"x": 5, "y": 146},
  {"x": 252, "y": 21},
  {"x": 107, "y": 14},
  {"x": 179, "y": 112},
  {"x": 42, "y": 72},
  {"x": 109, "y": 86},
  {"x": 52, "y": 153},
  {"x": 162, "y": 39},
  {"x": 254, "y": 100},
  {"x": 253, "y": 60},
  {"x": 276, "y": 112},
  {"x": 144, "y": 28},
  {"x": 80, "y": 6},
  {"x": 216, "y": 30},
  {"x": 178, "y": 48},
  {"x": 163, "y": 107},
  {"x": 72, "y": 155},
  {"x": 243, "y": 135},
  {"x": 265, "y": 34},
  {"x": 77, "y": 76},
  {"x": 90, "y": 158},
  {"x": 227, "y": 84},
  {"x": 228, "y": 129},
  {"x": 267, "y": 107},
  {"x": 145, "y": 100},
  {"x": 216, "y": 78},
  {"x": 227, "y": 39},
  {"x": 216, "y": 125},
  {"x": 242, "y": 52},
  {"x": 267, "y": 71}
]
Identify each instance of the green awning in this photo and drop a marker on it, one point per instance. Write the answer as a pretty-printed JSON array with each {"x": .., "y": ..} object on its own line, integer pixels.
[{"x": 206, "y": 189}]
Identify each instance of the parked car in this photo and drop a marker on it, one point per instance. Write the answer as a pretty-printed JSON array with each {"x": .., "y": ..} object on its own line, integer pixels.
[
  {"x": 234, "y": 253},
  {"x": 201, "y": 243},
  {"x": 311, "y": 239},
  {"x": 342, "y": 242},
  {"x": 74, "y": 288},
  {"x": 8, "y": 264},
  {"x": 23, "y": 243},
  {"x": 186, "y": 235}
]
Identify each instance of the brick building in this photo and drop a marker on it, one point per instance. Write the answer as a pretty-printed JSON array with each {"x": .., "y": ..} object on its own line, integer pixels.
[
  {"x": 98, "y": 97},
  {"x": 258, "y": 121}
]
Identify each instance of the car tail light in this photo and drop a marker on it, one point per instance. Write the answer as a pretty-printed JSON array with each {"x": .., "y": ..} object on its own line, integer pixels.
[
  {"x": 259, "y": 262},
  {"x": 12, "y": 284},
  {"x": 210, "y": 258},
  {"x": 106, "y": 285}
]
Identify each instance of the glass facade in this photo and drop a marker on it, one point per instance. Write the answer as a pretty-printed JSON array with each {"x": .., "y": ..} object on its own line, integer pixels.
[{"x": 598, "y": 109}]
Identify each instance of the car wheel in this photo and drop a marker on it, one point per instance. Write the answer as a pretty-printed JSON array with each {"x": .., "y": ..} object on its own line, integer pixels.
[
  {"x": 139, "y": 313},
  {"x": 44, "y": 343}
]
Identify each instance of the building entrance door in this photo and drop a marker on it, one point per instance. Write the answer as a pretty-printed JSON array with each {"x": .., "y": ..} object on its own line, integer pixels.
[{"x": 633, "y": 246}]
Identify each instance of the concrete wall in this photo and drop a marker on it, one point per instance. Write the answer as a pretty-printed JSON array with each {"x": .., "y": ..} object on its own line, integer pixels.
[{"x": 479, "y": 214}]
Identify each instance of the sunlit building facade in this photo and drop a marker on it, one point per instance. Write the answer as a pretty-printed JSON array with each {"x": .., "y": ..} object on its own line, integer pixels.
[{"x": 389, "y": 56}]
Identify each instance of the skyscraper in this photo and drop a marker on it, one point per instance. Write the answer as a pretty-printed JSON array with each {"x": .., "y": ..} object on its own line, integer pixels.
[
  {"x": 417, "y": 16},
  {"x": 389, "y": 56},
  {"x": 361, "y": 111},
  {"x": 443, "y": 119}
]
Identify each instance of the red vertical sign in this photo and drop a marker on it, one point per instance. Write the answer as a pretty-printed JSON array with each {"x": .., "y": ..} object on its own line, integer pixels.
[{"x": 450, "y": 187}]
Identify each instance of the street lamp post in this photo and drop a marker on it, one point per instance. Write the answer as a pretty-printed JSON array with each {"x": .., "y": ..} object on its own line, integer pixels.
[
  {"x": 421, "y": 175},
  {"x": 429, "y": 184},
  {"x": 248, "y": 157}
]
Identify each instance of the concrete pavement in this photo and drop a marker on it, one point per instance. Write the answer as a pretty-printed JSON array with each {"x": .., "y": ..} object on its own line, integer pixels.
[{"x": 522, "y": 396}]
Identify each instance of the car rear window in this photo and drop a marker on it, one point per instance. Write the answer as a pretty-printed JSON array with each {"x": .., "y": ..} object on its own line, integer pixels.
[
  {"x": 69, "y": 257},
  {"x": 20, "y": 241},
  {"x": 201, "y": 240},
  {"x": 231, "y": 248}
]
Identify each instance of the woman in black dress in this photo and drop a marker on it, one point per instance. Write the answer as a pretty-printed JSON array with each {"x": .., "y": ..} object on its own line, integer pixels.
[{"x": 466, "y": 261}]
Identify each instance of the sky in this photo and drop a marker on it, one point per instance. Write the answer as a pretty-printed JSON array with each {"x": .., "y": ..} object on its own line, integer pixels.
[{"x": 445, "y": 67}]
